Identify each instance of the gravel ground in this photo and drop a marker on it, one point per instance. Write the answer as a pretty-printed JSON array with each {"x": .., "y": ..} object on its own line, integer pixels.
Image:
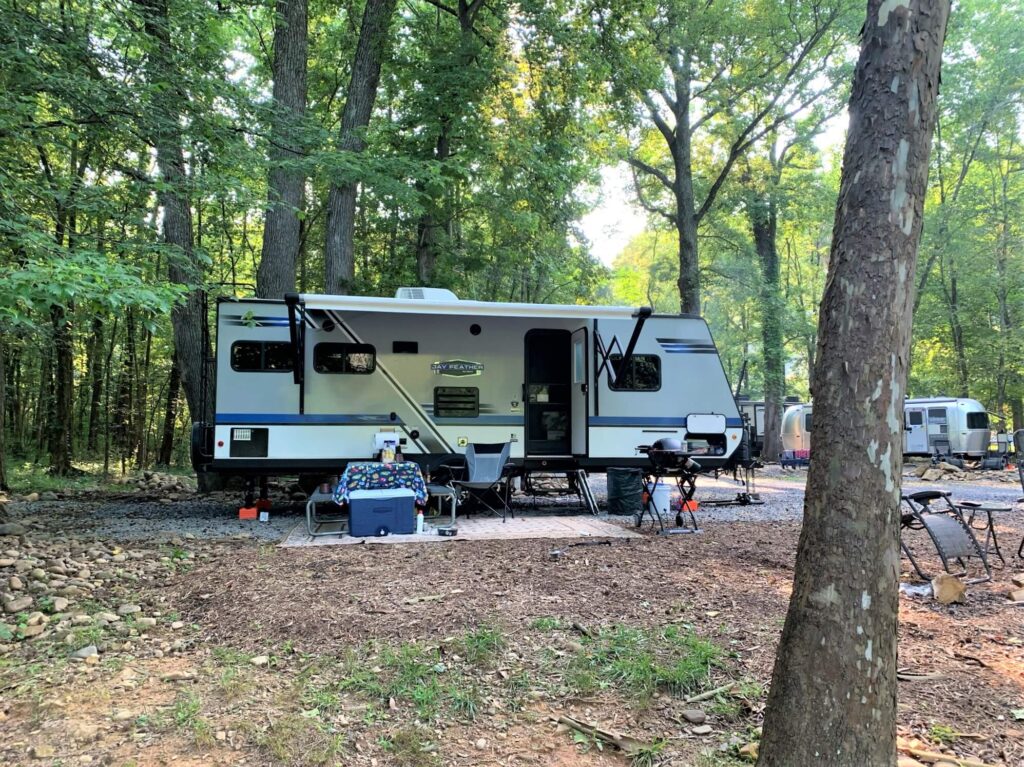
[
  {"x": 133, "y": 520},
  {"x": 216, "y": 516}
]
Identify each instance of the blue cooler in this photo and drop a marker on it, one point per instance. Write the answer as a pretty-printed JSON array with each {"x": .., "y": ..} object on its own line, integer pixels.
[{"x": 381, "y": 512}]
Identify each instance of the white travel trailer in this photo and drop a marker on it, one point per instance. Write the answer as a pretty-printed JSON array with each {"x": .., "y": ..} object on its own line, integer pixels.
[
  {"x": 306, "y": 384},
  {"x": 932, "y": 425}
]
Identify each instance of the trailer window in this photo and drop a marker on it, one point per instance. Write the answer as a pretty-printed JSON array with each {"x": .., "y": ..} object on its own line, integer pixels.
[
  {"x": 807, "y": 422},
  {"x": 937, "y": 415},
  {"x": 261, "y": 356},
  {"x": 644, "y": 373},
  {"x": 456, "y": 402},
  {"x": 359, "y": 359},
  {"x": 977, "y": 420},
  {"x": 915, "y": 418}
]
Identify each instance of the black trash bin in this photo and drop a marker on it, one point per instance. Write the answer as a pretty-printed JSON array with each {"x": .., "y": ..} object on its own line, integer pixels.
[{"x": 625, "y": 491}]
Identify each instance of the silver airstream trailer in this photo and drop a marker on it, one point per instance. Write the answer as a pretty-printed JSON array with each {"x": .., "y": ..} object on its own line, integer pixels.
[
  {"x": 753, "y": 412},
  {"x": 931, "y": 426},
  {"x": 796, "y": 430},
  {"x": 946, "y": 426}
]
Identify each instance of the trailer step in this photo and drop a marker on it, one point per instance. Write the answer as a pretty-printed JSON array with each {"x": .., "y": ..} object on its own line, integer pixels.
[{"x": 588, "y": 495}]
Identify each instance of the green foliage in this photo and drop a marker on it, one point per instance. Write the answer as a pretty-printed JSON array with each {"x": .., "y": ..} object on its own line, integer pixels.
[
  {"x": 482, "y": 644},
  {"x": 642, "y": 662},
  {"x": 943, "y": 734}
]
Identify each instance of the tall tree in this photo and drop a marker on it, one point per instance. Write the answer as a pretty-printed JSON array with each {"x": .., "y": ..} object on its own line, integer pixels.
[
  {"x": 725, "y": 74},
  {"x": 184, "y": 263},
  {"x": 339, "y": 248},
  {"x": 833, "y": 693},
  {"x": 282, "y": 227}
]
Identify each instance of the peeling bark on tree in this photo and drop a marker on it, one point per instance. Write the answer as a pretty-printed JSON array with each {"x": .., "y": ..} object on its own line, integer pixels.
[
  {"x": 339, "y": 248},
  {"x": 833, "y": 693},
  {"x": 286, "y": 185}
]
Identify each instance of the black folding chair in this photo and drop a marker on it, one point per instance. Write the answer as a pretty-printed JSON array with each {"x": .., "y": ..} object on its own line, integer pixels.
[
  {"x": 487, "y": 477},
  {"x": 933, "y": 512}
]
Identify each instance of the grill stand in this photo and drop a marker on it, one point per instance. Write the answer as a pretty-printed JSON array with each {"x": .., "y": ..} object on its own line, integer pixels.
[{"x": 686, "y": 482}]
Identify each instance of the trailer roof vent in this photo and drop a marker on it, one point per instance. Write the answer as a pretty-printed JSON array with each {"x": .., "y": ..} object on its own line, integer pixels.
[{"x": 426, "y": 294}]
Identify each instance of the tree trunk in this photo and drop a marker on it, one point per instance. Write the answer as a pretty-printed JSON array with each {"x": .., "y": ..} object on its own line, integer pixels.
[
  {"x": 339, "y": 248},
  {"x": 763, "y": 224},
  {"x": 170, "y": 414},
  {"x": 833, "y": 693},
  {"x": 60, "y": 426},
  {"x": 682, "y": 189},
  {"x": 95, "y": 384},
  {"x": 956, "y": 328},
  {"x": 281, "y": 229},
  {"x": 124, "y": 408},
  {"x": 426, "y": 228},
  {"x": 3, "y": 412},
  {"x": 191, "y": 339},
  {"x": 141, "y": 435}
]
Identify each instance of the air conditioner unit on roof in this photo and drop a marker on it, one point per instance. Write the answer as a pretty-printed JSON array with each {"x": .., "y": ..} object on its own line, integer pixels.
[{"x": 426, "y": 294}]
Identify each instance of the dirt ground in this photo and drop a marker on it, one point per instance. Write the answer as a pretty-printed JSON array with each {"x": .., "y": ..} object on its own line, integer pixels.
[{"x": 241, "y": 652}]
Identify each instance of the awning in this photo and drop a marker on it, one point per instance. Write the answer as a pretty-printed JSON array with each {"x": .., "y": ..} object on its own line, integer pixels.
[{"x": 465, "y": 308}]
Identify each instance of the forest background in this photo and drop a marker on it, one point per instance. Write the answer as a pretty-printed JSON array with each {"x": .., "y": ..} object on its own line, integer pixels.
[{"x": 158, "y": 154}]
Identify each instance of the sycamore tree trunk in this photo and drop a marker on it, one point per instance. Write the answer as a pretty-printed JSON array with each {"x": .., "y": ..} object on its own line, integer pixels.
[
  {"x": 191, "y": 340},
  {"x": 764, "y": 224},
  {"x": 286, "y": 183},
  {"x": 833, "y": 693},
  {"x": 339, "y": 248}
]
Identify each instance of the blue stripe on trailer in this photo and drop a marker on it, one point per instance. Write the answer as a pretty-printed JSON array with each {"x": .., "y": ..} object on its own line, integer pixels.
[
  {"x": 624, "y": 420},
  {"x": 330, "y": 419}
]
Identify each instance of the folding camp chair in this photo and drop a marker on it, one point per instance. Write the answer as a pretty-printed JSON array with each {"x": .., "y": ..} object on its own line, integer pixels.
[
  {"x": 486, "y": 481},
  {"x": 945, "y": 525}
]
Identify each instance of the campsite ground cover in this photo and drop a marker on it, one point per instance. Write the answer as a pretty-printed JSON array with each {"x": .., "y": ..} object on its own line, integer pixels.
[{"x": 240, "y": 652}]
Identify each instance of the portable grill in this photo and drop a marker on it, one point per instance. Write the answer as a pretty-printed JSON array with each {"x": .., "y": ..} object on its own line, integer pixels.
[
  {"x": 667, "y": 455},
  {"x": 669, "y": 460}
]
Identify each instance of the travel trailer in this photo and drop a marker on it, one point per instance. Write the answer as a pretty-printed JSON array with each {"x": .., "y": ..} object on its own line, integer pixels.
[
  {"x": 933, "y": 425},
  {"x": 753, "y": 412},
  {"x": 306, "y": 384}
]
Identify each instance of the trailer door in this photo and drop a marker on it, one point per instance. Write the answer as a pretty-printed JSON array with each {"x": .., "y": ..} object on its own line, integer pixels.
[
  {"x": 579, "y": 391},
  {"x": 915, "y": 435}
]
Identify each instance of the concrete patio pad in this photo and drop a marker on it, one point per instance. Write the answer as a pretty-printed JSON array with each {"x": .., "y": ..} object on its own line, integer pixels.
[{"x": 483, "y": 529}]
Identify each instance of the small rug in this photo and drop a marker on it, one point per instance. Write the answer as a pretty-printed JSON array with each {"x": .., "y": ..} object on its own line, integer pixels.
[{"x": 482, "y": 529}]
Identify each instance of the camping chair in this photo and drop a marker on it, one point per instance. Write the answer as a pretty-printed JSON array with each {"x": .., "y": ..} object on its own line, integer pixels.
[
  {"x": 952, "y": 536},
  {"x": 486, "y": 480}
]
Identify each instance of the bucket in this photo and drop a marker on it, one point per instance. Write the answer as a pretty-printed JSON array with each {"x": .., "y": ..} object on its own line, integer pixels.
[
  {"x": 625, "y": 491},
  {"x": 663, "y": 499}
]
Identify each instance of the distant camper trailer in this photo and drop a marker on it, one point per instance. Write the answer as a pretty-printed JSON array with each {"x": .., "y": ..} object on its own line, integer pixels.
[
  {"x": 933, "y": 425},
  {"x": 753, "y": 412}
]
